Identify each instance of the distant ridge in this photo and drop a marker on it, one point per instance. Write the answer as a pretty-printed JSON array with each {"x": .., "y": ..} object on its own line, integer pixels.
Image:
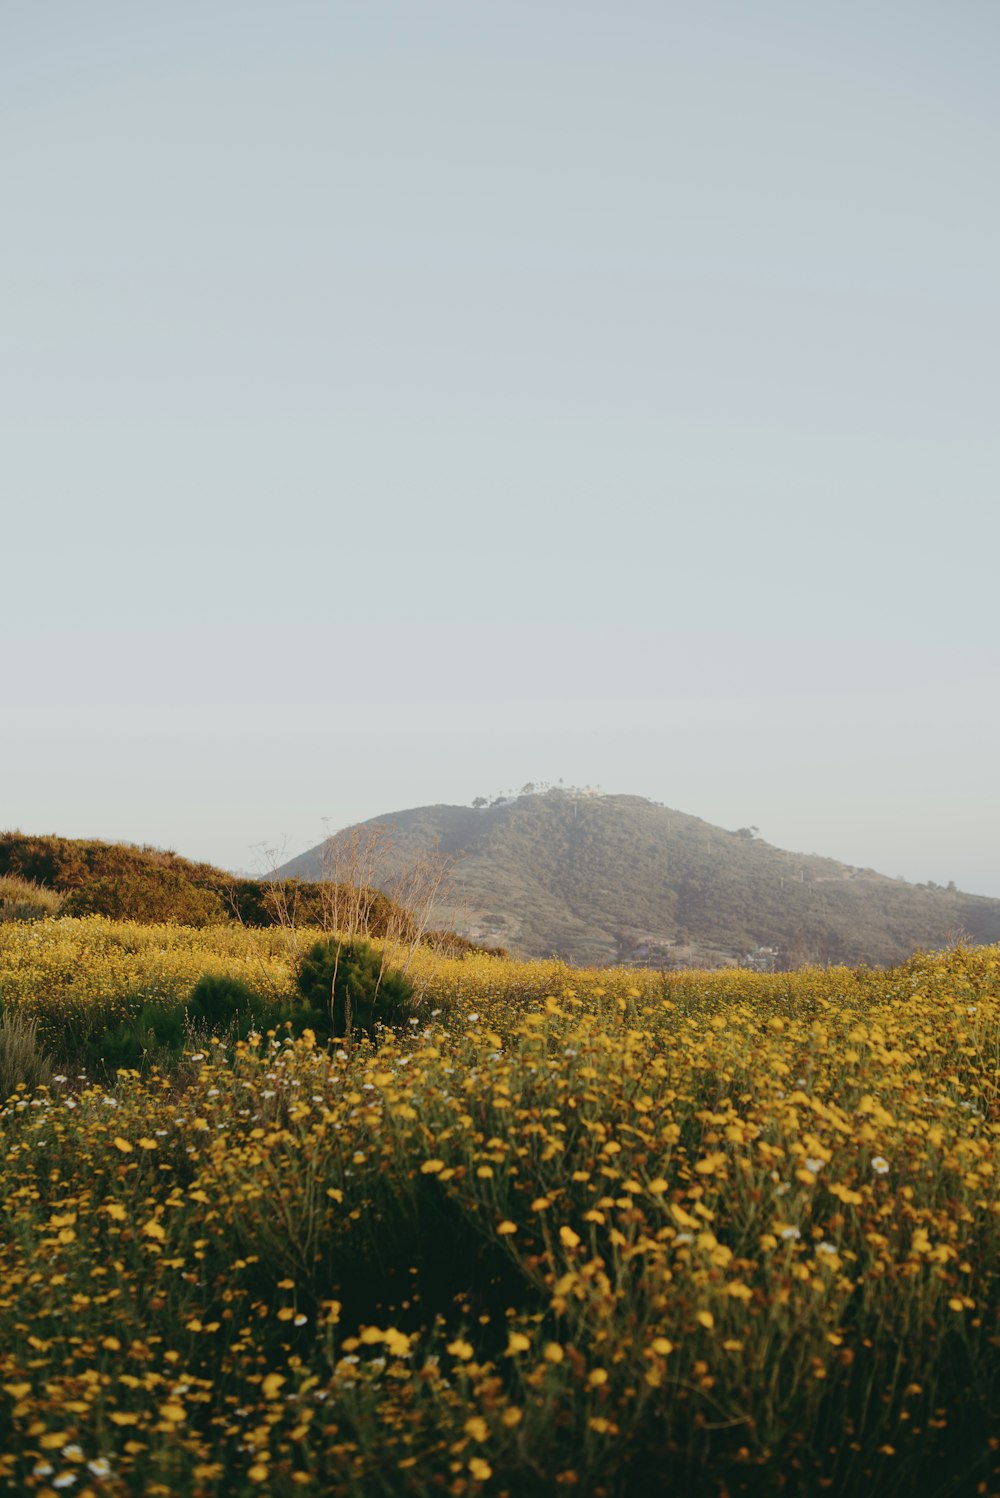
[{"x": 597, "y": 878}]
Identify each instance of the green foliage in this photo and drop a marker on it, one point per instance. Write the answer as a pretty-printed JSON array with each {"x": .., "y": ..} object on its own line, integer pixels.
[
  {"x": 220, "y": 1004},
  {"x": 156, "y": 1035},
  {"x": 346, "y": 988}
]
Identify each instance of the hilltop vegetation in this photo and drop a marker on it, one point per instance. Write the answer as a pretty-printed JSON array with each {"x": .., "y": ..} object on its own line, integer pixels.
[
  {"x": 602, "y": 879},
  {"x": 80, "y": 877},
  {"x": 613, "y": 1232}
]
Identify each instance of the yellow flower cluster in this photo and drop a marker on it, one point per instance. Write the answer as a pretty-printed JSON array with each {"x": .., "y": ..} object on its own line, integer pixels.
[
  {"x": 73, "y": 974},
  {"x": 603, "y": 1230}
]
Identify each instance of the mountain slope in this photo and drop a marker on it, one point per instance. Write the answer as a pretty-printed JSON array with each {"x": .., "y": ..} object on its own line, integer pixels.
[{"x": 598, "y": 879}]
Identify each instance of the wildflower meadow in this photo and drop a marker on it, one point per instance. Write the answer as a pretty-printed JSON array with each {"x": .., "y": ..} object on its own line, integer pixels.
[{"x": 609, "y": 1232}]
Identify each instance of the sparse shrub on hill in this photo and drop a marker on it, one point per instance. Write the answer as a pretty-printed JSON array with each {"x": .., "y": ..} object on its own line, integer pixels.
[{"x": 347, "y": 987}]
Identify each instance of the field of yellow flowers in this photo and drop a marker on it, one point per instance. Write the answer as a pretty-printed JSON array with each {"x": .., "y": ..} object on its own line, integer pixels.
[{"x": 616, "y": 1233}]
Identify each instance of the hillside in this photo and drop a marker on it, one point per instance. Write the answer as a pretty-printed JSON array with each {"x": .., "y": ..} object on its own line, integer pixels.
[{"x": 598, "y": 879}]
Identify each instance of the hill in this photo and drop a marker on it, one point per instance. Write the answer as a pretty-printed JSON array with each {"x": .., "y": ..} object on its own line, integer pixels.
[{"x": 599, "y": 879}]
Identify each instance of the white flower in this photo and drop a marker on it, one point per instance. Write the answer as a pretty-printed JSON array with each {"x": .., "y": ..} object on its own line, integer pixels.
[
  {"x": 790, "y": 1233},
  {"x": 473, "y": 1018},
  {"x": 880, "y": 1165},
  {"x": 100, "y": 1466},
  {"x": 73, "y": 1452},
  {"x": 826, "y": 1248},
  {"x": 814, "y": 1165}
]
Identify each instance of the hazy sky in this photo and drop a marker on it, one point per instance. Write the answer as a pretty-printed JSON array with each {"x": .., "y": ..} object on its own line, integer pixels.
[{"x": 399, "y": 402}]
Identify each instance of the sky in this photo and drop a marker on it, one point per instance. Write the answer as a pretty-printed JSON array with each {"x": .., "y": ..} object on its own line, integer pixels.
[{"x": 399, "y": 403}]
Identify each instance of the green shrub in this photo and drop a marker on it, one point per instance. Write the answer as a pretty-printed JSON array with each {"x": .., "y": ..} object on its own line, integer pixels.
[
  {"x": 157, "y": 1033},
  {"x": 345, "y": 988},
  {"x": 218, "y": 1003}
]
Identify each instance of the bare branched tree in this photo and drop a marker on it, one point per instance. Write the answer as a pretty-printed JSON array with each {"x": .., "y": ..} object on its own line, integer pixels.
[
  {"x": 369, "y": 891},
  {"x": 282, "y": 898}
]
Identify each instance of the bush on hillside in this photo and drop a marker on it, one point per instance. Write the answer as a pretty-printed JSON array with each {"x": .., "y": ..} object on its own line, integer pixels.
[
  {"x": 153, "y": 896},
  {"x": 345, "y": 988}
]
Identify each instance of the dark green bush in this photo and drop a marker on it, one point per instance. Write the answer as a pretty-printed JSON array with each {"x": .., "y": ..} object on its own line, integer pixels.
[
  {"x": 218, "y": 1003},
  {"x": 157, "y": 1033},
  {"x": 345, "y": 980}
]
